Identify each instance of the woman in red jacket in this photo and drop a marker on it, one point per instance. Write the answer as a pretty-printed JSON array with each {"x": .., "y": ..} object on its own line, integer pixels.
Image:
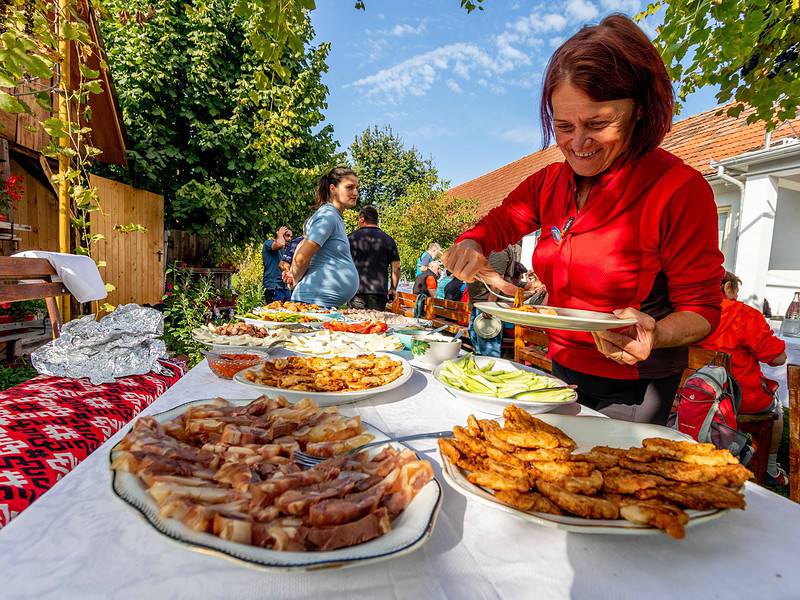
[
  {"x": 626, "y": 227},
  {"x": 744, "y": 333}
]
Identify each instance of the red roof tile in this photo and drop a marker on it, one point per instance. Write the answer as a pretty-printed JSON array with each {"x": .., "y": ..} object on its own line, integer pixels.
[{"x": 697, "y": 140}]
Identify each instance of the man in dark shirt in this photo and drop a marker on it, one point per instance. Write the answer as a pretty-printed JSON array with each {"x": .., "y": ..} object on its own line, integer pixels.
[
  {"x": 374, "y": 251},
  {"x": 272, "y": 255}
]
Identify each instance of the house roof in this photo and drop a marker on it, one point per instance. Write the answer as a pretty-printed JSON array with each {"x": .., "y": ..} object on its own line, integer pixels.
[{"x": 697, "y": 140}]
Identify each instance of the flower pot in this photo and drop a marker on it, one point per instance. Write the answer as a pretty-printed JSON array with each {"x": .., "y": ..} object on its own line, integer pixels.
[
  {"x": 28, "y": 317},
  {"x": 6, "y": 319}
]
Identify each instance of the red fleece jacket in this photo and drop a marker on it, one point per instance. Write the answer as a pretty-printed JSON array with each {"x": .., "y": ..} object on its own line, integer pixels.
[{"x": 646, "y": 238}]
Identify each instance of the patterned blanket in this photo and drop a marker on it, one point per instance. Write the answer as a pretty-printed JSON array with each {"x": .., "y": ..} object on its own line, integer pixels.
[{"x": 50, "y": 424}]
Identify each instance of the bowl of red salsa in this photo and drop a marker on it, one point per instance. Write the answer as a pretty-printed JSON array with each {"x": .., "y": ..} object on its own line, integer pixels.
[{"x": 228, "y": 364}]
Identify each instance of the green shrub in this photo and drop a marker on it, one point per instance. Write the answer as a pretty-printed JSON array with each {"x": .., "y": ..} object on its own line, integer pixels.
[
  {"x": 186, "y": 308},
  {"x": 248, "y": 281},
  {"x": 11, "y": 375}
]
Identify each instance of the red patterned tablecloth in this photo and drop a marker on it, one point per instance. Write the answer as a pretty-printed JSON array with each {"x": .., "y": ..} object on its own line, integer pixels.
[{"x": 50, "y": 424}]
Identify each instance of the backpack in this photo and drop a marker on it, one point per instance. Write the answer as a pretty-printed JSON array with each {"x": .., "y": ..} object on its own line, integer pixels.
[{"x": 708, "y": 405}]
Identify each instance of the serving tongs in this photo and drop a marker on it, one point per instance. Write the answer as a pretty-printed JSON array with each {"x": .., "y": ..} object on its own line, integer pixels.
[{"x": 516, "y": 302}]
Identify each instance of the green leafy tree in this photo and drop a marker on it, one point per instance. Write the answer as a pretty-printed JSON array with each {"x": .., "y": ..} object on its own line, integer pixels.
[
  {"x": 422, "y": 216},
  {"x": 749, "y": 48},
  {"x": 234, "y": 146},
  {"x": 386, "y": 169}
]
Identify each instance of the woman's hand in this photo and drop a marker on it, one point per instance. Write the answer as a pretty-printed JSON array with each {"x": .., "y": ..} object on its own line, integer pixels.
[
  {"x": 288, "y": 279},
  {"x": 466, "y": 261},
  {"x": 632, "y": 344}
]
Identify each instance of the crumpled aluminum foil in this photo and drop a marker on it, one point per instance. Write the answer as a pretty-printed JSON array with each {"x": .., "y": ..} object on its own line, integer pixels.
[{"x": 125, "y": 342}]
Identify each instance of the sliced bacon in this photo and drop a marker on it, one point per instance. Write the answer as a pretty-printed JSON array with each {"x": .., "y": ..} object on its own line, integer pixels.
[
  {"x": 264, "y": 493},
  {"x": 298, "y": 501},
  {"x": 340, "y": 536}
]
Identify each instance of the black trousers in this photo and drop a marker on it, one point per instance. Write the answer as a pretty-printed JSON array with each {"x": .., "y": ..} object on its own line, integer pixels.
[
  {"x": 370, "y": 301},
  {"x": 640, "y": 400}
]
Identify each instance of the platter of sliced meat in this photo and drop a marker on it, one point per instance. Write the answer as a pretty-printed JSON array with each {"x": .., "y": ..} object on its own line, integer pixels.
[{"x": 218, "y": 476}]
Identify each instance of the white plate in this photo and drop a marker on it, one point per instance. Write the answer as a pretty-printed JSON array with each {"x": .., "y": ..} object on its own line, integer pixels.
[
  {"x": 276, "y": 324},
  {"x": 587, "y": 433},
  {"x": 409, "y": 531},
  {"x": 494, "y": 406},
  {"x": 568, "y": 318},
  {"x": 414, "y": 362},
  {"x": 332, "y": 398}
]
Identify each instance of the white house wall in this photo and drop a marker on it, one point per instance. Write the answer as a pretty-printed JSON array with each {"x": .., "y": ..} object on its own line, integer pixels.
[
  {"x": 727, "y": 195},
  {"x": 783, "y": 277}
]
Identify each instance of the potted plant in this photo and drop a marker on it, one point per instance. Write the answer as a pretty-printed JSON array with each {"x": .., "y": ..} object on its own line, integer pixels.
[
  {"x": 10, "y": 194},
  {"x": 5, "y": 313},
  {"x": 27, "y": 310}
]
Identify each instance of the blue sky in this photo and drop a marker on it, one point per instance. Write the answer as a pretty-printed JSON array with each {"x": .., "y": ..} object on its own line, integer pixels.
[{"x": 462, "y": 88}]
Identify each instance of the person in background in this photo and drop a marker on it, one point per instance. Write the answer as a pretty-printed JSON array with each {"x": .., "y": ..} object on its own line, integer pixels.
[
  {"x": 432, "y": 253},
  {"x": 455, "y": 289},
  {"x": 272, "y": 253},
  {"x": 502, "y": 263},
  {"x": 444, "y": 279},
  {"x": 374, "y": 253},
  {"x": 322, "y": 271},
  {"x": 744, "y": 333},
  {"x": 425, "y": 286},
  {"x": 288, "y": 253}
]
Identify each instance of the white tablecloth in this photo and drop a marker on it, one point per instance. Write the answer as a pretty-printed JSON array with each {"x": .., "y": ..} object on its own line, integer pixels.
[
  {"x": 80, "y": 541},
  {"x": 779, "y": 373}
]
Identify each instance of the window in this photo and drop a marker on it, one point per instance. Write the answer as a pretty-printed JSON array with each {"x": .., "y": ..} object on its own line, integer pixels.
[{"x": 723, "y": 228}]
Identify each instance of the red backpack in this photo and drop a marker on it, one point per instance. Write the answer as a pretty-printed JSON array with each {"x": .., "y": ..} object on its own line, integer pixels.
[{"x": 708, "y": 405}]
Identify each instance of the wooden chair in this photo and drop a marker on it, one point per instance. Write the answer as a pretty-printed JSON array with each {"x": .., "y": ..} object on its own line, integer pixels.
[
  {"x": 530, "y": 347},
  {"x": 404, "y": 304},
  {"x": 793, "y": 383},
  {"x": 14, "y": 272}
]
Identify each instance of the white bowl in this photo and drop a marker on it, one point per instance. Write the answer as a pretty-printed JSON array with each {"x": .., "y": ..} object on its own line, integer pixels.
[
  {"x": 494, "y": 406},
  {"x": 436, "y": 352}
]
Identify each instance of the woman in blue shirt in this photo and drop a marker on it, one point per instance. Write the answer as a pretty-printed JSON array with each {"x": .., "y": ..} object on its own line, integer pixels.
[{"x": 322, "y": 270}]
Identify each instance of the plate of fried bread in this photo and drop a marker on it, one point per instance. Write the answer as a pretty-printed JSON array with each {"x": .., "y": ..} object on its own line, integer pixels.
[
  {"x": 328, "y": 380},
  {"x": 592, "y": 474},
  {"x": 217, "y": 476}
]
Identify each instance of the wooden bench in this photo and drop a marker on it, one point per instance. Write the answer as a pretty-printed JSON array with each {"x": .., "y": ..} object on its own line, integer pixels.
[
  {"x": 454, "y": 315},
  {"x": 13, "y": 271},
  {"x": 530, "y": 347}
]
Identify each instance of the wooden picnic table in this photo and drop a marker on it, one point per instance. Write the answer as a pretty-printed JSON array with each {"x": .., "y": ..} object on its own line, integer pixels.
[{"x": 80, "y": 541}]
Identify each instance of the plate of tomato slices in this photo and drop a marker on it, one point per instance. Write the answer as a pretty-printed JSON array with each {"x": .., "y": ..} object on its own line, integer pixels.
[{"x": 364, "y": 327}]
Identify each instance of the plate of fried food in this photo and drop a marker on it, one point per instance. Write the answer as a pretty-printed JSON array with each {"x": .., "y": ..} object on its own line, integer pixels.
[
  {"x": 328, "y": 380},
  {"x": 218, "y": 477},
  {"x": 552, "y": 317},
  {"x": 592, "y": 474},
  {"x": 292, "y": 307},
  {"x": 240, "y": 335}
]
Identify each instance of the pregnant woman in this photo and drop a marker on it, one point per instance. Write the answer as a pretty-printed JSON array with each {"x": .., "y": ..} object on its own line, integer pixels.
[{"x": 322, "y": 271}]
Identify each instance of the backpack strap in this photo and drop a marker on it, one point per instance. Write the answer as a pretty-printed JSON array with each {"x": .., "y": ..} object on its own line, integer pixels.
[{"x": 704, "y": 433}]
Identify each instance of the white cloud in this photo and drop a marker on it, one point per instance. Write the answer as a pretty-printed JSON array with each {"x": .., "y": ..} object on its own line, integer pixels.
[
  {"x": 625, "y": 6},
  {"x": 416, "y": 75},
  {"x": 582, "y": 10},
  {"x": 526, "y": 135},
  {"x": 400, "y": 30},
  {"x": 453, "y": 85}
]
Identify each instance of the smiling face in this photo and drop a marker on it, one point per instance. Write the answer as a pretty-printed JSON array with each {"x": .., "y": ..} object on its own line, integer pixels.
[
  {"x": 345, "y": 194},
  {"x": 590, "y": 134}
]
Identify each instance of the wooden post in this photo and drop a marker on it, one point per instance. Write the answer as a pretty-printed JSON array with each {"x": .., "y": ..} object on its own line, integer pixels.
[
  {"x": 63, "y": 142},
  {"x": 793, "y": 381}
]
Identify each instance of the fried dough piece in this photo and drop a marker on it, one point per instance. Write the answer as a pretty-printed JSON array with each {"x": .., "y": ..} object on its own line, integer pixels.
[
  {"x": 583, "y": 506},
  {"x": 704, "y": 496},
  {"x": 546, "y": 454},
  {"x": 599, "y": 459},
  {"x": 475, "y": 445},
  {"x": 666, "y": 517},
  {"x": 685, "y": 452},
  {"x": 531, "y": 501},
  {"x": 473, "y": 427},
  {"x": 504, "y": 457},
  {"x": 556, "y": 471},
  {"x": 506, "y": 469},
  {"x": 493, "y": 439},
  {"x": 450, "y": 450},
  {"x": 584, "y": 485},
  {"x": 728, "y": 475},
  {"x": 523, "y": 420},
  {"x": 527, "y": 439},
  {"x": 623, "y": 481},
  {"x": 496, "y": 481}
]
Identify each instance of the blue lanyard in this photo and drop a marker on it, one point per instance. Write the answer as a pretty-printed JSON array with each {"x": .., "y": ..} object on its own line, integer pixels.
[{"x": 558, "y": 234}]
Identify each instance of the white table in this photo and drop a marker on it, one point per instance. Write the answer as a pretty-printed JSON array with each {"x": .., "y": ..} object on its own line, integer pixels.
[{"x": 80, "y": 541}]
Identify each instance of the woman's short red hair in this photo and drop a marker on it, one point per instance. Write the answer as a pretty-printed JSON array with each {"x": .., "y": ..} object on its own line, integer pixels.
[{"x": 612, "y": 61}]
